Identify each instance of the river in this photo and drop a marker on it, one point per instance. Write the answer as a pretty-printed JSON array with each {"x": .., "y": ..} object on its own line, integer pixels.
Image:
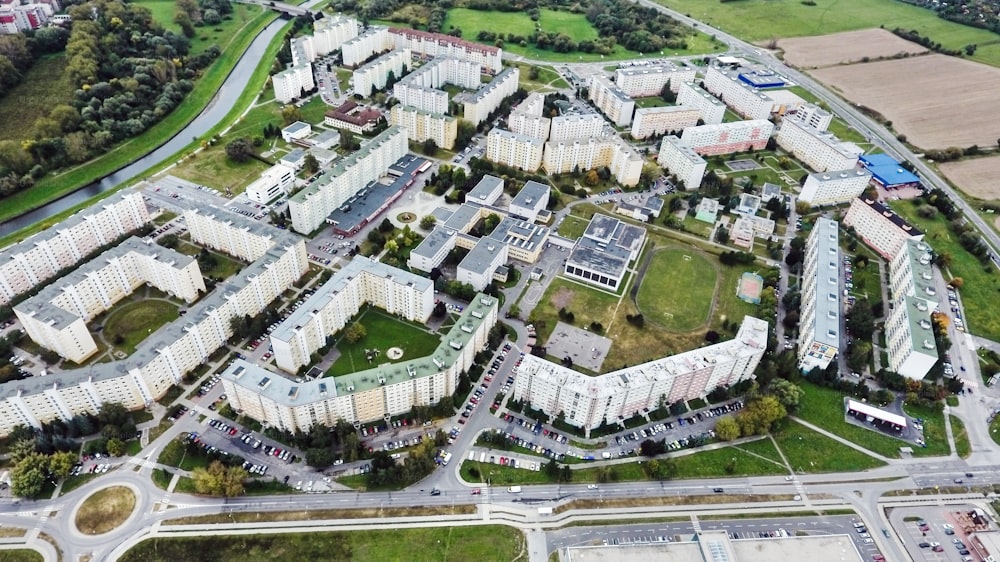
[{"x": 211, "y": 116}]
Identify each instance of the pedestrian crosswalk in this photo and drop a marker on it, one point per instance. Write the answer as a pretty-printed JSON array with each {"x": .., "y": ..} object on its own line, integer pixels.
[{"x": 695, "y": 524}]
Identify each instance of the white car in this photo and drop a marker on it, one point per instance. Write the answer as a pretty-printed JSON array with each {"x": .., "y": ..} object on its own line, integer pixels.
[{"x": 591, "y": 486}]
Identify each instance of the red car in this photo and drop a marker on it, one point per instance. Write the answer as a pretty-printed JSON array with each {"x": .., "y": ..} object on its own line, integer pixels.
[{"x": 476, "y": 491}]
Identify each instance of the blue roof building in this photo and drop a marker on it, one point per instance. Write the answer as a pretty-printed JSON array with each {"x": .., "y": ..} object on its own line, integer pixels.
[{"x": 886, "y": 171}]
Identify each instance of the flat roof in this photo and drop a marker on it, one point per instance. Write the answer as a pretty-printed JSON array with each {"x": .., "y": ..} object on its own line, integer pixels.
[
  {"x": 480, "y": 258},
  {"x": 345, "y": 164},
  {"x": 516, "y": 136},
  {"x": 876, "y": 413},
  {"x": 296, "y": 127},
  {"x": 504, "y": 75},
  {"x": 484, "y": 191},
  {"x": 530, "y": 195},
  {"x": 433, "y": 242},
  {"x": 375, "y": 197},
  {"x": 686, "y": 151},
  {"x": 520, "y": 234},
  {"x": 887, "y": 171},
  {"x": 889, "y": 215},
  {"x": 828, "y": 267}
]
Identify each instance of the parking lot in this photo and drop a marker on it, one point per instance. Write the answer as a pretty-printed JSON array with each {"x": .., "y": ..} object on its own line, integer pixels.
[{"x": 934, "y": 533}]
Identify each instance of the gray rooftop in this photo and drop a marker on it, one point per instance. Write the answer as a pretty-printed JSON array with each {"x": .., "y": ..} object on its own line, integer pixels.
[
  {"x": 484, "y": 190},
  {"x": 520, "y": 234},
  {"x": 433, "y": 242},
  {"x": 480, "y": 257},
  {"x": 495, "y": 83},
  {"x": 516, "y": 136},
  {"x": 296, "y": 127},
  {"x": 828, "y": 269},
  {"x": 461, "y": 217},
  {"x": 345, "y": 164},
  {"x": 607, "y": 245},
  {"x": 530, "y": 194}
]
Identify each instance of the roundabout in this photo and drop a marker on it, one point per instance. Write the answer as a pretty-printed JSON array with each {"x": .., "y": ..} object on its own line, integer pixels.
[
  {"x": 105, "y": 510},
  {"x": 406, "y": 217}
]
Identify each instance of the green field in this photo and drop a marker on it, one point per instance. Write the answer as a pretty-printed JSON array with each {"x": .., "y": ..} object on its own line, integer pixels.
[
  {"x": 586, "y": 303},
  {"x": 677, "y": 289},
  {"x": 163, "y": 12},
  {"x": 572, "y": 227},
  {"x": 135, "y": 321},
  {"x": 979, "y": 292},
  {"x": 22, "y": 555},
  {"x": 762, "y": 20},
  {"x": 384, "y": 332},
  {"x": 654, "y": 101},
  {"x": 34, "y": 97},
  {"x": 811, "y": 452},
  {"x": 548, "y": 80},
  {"x": 438, "y": 544},
  {"x": 576, "y": 26},
  {"x": 223, "y": 267}
]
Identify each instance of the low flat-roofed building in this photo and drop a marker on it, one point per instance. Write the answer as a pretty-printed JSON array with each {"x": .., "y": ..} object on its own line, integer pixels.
[
  {"x": 296, "y": 131},
  {"x": 272, "y": 183},
  {"x": 479, "y": 265},
  {"x": 486, "y": 192},
  {"x": 602, "y": 255},
  {"x": 717, "y": 546},
  {"x": 532, "y": 198},
  {"x": 770, "y": 191},
  {"x": 644, "y": 210},
  {"x": 708, "y": 210},
  {"x": 887, "y": 172},
  {"x": 524, "y": 239}
]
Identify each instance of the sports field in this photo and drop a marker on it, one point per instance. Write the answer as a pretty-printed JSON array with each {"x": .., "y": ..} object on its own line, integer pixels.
[
  {"x": 846, "y": 47},
  {"x": 383, "y": 332},
  {"x": 677, "y": 289}
]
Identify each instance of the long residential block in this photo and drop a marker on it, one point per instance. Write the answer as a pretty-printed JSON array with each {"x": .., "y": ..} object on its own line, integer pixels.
[
  {"x": 821, "y": 151},
  {"x": 727, "y": 138},
  {"x": 835, "y": 187},
  {"x": 422, "y": 125},
  {"x": 691, "y": 95},
  {"x": 478, "y": 107},
  {"x": 373, "y": 41},
  {"x": 653, "y": 121},
  {"x": 515, "y": 150},
  {"x": 560, "y": 157},
  {"x": 879, "y": 227},
  {"x": 374, "y": 75},
  {"x": 908, "y": 330},
  {"x": 682, "y": 161},
  {"x": 820, "y": 310},
  {"x": 648, "y": 80},
  {"x": 611, "y": 100},
  {"x": 430, "y": 45}
]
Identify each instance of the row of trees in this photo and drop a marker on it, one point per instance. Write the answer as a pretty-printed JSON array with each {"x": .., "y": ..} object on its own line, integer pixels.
[{"x": 762, "y": 412}]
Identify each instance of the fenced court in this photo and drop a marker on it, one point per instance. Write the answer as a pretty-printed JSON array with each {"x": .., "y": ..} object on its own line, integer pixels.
[
  {"x": 742, "y": 165},
  {"x": 750, "y": 287}
]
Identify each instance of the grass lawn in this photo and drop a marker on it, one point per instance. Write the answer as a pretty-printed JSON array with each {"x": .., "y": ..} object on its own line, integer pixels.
[
  {"x": 935, "y": 434},
  {"x": 667, "y": 295},
  {"x": 744, "y": 460},
  {"x": 994, "y": 429},
  {"x": 234, "y": 38},
  {"x": 22, "y": 555},
  {"x": 587, "y": 305},
  {"x": 211, "y": 167},
  {"x": 727, "y": 305},
  {"x": 761, "y": 20},
  {"x": 105, "y": 510},
  {"x": 384, "y": 332},
  {"x": 809, "y": 451},
  {"x": 163, "y": 12},
  {"x": 962, "y": 445},
  {"x": 73, "y": 482},
  {"x": 824, "y": 407},
  {"x": 224, "y": 266},
  {"x": 548, "y": 80},
  {"x": 867, "y": 282},
  {"x": 174, "y": 454},
  {"x": 655, "y": 101},
  {"x": 440, "y": 544},
  {"x": 573, "y": 227},
  {"x": 576, "y": 26},
  {"x": 35, "y": 96},
  {"x": 133, "y": 322},
  {"x": 979, "y": 292}
]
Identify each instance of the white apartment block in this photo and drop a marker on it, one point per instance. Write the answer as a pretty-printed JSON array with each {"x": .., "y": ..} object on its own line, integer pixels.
[
  {"x": 362, "y": 47},
  {"x": 813, "y": 116},
  {"x": 648, "y": 80},
  {"x": 611, "y": 100},
  {"x": 588, "y": 402},
  {"x": 163, "y": 358},
  {"x": 371, "y": 394},
  {"x": 652, "y": 121},
  {"x": 40, "y": 257},
  {"x": 560, "y": 157},
  {"x": 534, "y": 126},
  {"x": 533, "y": 105},
  {"x": 691, "y": 95},
  {"x": 682, "y": 161},
  {"x": 486, "y": 100},
  {"x": 431, "y": 45},
  {"x": 375, "y": 75},
  {"x": 310, "y": 207},
  {"x": 727, "y": 138},
  {"x": 421, "y": 125},
  {"x": 273, "y": 182},
  {"x": 419, "y": 97},
  {"x": 821, "y": 151},
  {"x": 908, "y": 331},
  {"x": 833, "y": 188},
  {"x": 879, "y": 227},
  {"x": 223, "y": 231},
  {"x": 15, "y": 17},
  {"x": 298, "y": 77},
  {"x": 819, "y": 321},
  {"x": 743, "y": 98},
  {"x": 362, "y": 281},
  {"x": 330, "y": 32},
  {"x": 577, "y": 126},
  {"x": 513, "y": 149}
]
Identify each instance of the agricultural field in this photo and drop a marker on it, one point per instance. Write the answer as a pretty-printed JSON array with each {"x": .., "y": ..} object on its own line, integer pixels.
[
  {"x": 44, "y": 86},
  {"x": 668, "y": 297},
  {"x": 976, "y": 177},
  {"x": 917, "y": 95},
  {"x": 761, "y": 21},
  {"x": 383, "y": 332},
  {"x": 845, "y": 48}
]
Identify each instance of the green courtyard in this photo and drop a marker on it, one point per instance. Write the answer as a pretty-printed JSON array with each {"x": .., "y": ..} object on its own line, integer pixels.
[
  {"x": 383, "y": 331},
  {"x": 677, "y": 289},
  {"x": 127, "y": 325}
]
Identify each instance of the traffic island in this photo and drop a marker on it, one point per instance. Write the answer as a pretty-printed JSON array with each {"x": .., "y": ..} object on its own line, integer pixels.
[{"x": 104, "y": 510}]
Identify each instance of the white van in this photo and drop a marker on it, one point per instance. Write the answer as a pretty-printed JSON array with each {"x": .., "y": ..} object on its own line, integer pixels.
[{"x": 514, "y": 490}]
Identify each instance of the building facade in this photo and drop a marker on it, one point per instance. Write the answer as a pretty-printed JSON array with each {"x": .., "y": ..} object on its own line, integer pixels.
[
  {"x": 615, "y": 104},
  {"x": 819, "y": 150},
  {"x": 727, "y": 138},
  {"x": 589, "y": 402},
  {"x": 360, "y": 48},
  {"x": 422, "y": 125},
  {"x": 560, "y": 157},
  {"x": 682, "y": 161},
  {"x": 478, "y": 107},
  {"x": 298, "y": 77},
  {"x": 835, "y": 187},
  {"x": 879, "y": 227},
  {"x": 272, "y": 183},
  {"x": 374, "y": 75},
  {"x": 310, "y": 207},
  {"x": 577, "y": 126},
  {"x": 909, "y": 333},
  {"x": 431, "y": 45},
  {"x": 648, "y": 80},
  {"x": 655, "y": 121},
  {"x": 515, "y": 150},
  {"x": 712, "y": 110},
  {"x": 819, "y": 320}
]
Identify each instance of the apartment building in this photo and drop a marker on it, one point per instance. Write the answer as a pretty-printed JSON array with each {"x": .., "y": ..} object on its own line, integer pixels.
[
  {"x": 414, "y": 95},
  {"x": 653, "y": 121},
  {"x": 691, "y": 95},
  {"x": 298, "y": 77},
  {"x": 614, "y": 103},
  {"x": 682, "y": 161},
  {"x": 533, "y": 105},
  {"x": 577, "y": 126},
  {"x": 879, "y": 227},
  {"x": 15, "y": 18},
  {"x": 727, "y": 138},
  {"x": 362, "y": 281},
  {"x": 813, "y": 116},
  {"x": 373, "y": 76},
  {"x": 420, "y": 88},
  {"x": 821, "y": 151},
  {"x": 330, "y": 32},
  {"x": 560, "y": 157},
  {"x": 431, "y": 45},
  {"x": 478, "y": 106},
  {"x": 908, "y": 331},
  {"x": 513, "y": 149},
  {"x": 819, "y": 320},
  {"x": 602, "y": 254},
  {"x": 421, "y": 125},
  {"x": 360, "y": 48},
  {"x": 372, "y": 394},
  {"x": 272, "y": 183},
  {"x": 833, "y": 188},
  {"x": 589, "y": 402},
  {"x": 527, "y": 117},
  {"x": 42, "y": 256},
  {"x": 743, "y": 97},
  {"x": 648, "y": 80},
  {"x": 164, "y": 357},
  {"x": 310, "y": 207}
]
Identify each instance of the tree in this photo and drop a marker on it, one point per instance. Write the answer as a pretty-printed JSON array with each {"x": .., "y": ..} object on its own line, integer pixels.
[
  {"x": 355, "y": 332},
  {"x": 727, "y": 429},
  {"x": 218, "y": 480},
  {"x": 667, "y": 94},
  {"x": 591, "y": 178},
  {"x": 760, "y": 415},
  {"x": 430, "y": 148},
  {"x": 861, "y": 320},
  {"x": 310, "y": 164},
  {"x": 116, "y": 447},
  {"x": 290, "y": 114},
  {"x": 427, "y": 222},
  {"x": 239, "y": 150},
  {"x": 61, "y": 463},
  {"x": 183, "y": 20},
  {"x": 788, "y": 393},
  {"x": 22, "y": 448},
  {"x": 28, "y": 476},
  {"x": 319, "y": 458},
  {"x": 722, "y": 235}
]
